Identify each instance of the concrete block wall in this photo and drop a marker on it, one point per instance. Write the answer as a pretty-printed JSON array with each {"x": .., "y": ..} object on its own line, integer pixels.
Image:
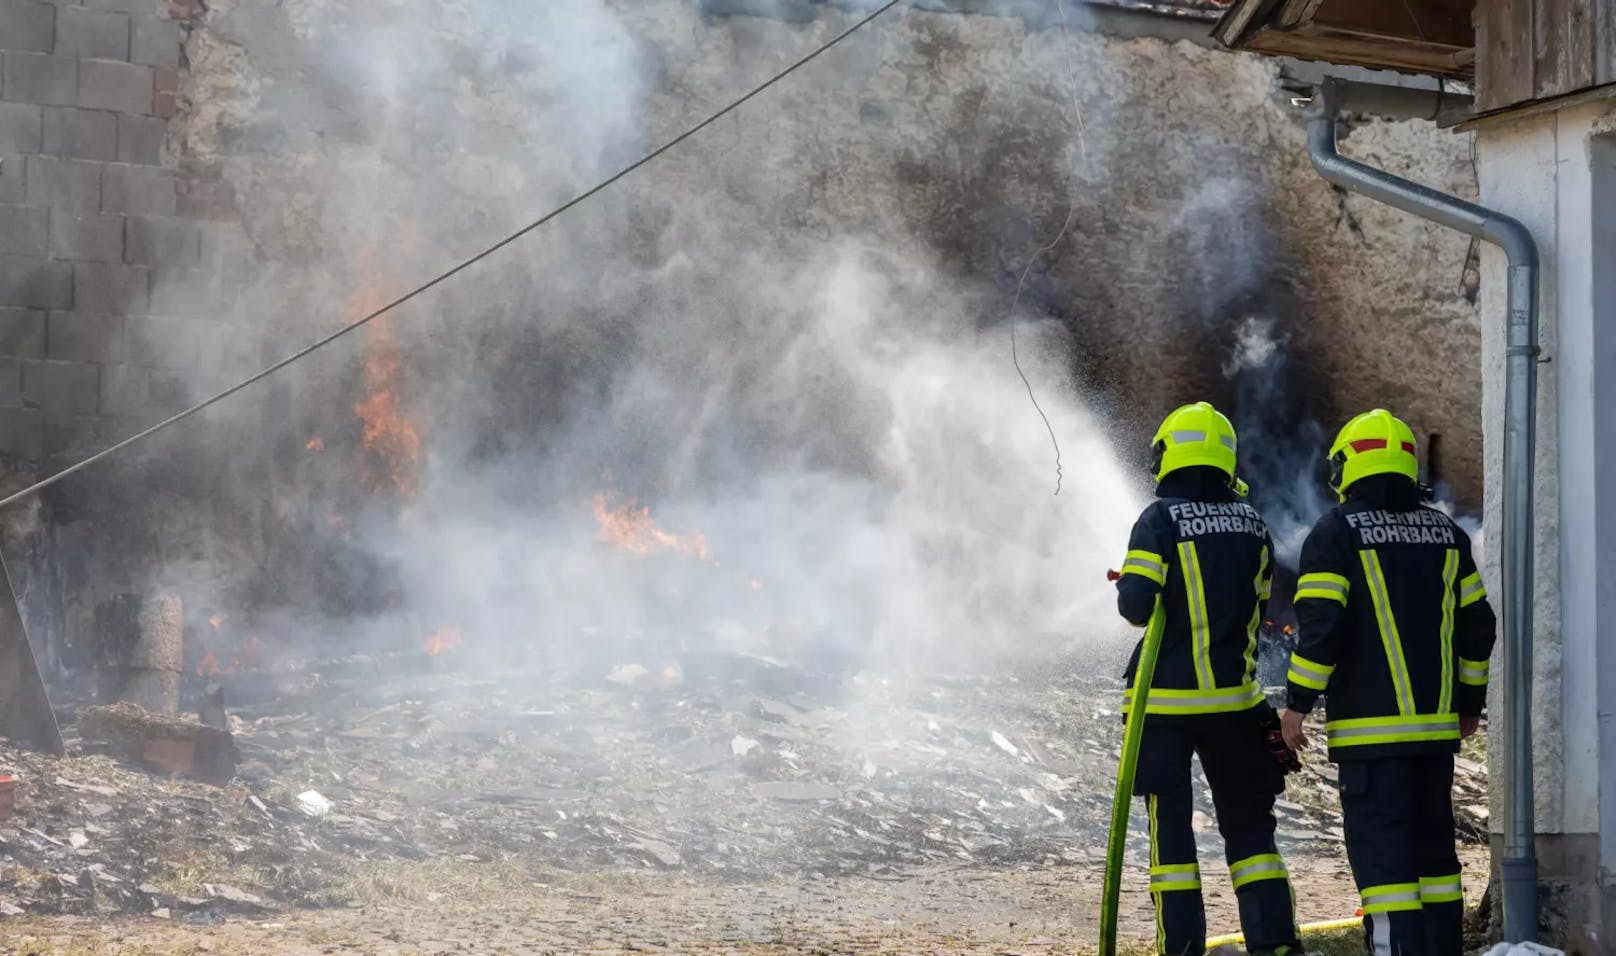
[{"x": 109, "y": 247}]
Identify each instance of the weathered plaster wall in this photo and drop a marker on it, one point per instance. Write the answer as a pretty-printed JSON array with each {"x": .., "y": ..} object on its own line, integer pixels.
[
  {"x": 1191, "y": 199},
  {"x": 1555, "y": 174}
]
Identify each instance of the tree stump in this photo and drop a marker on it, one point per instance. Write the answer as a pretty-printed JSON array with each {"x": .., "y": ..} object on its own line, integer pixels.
[{"x": 141, "y": 644}]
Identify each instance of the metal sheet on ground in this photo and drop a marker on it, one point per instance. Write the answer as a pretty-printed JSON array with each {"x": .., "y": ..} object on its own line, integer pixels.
[{"x": 25, "y": 710}]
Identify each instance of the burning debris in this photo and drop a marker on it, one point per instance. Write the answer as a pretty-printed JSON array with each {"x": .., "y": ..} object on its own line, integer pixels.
[{"x": 630, "y": 528}]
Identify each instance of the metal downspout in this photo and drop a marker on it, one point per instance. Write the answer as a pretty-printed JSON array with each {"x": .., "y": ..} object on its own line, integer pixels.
[{"x": 1520, "y": 417}]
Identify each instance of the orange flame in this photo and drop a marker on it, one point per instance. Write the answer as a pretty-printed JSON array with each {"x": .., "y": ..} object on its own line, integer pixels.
[
  {"x": 390, "y": 437},
  {"x": 443, "y": 640},
  {"x": 216, "y": 620},
  {"x": 315, "y": 444},
  {"x": 630, "y": 528}
]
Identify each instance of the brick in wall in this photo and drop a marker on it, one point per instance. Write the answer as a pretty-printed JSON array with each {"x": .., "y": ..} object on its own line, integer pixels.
[
  {"x": 21, "y": 128},
  {"x": 24, "y": 230},
  {"x": 64, "y": 183},
  {"x": 163, "y": 343},
  {"x": 40, "y": 78},
  {"x": 171, "y": 391},
  {"x": 106, "y": 287},
  {"x": 89, "y": 236},
  {"x": 161, "y": 241},
  {"x": 140, "y": 139},
  {"x": 13, "y": 185},
  {"x": 125, "y": 389},
  {"x": 110, "y": 85},
  {"x": 138, "y": 190},
  {"x": 22, "y": 333},
  {"x": 192, "y": 293},
  {"x": 35, "y": 283},
  {"x": 22, "y": 433},
  {"x": 84, "y": 337},
  {"x": 10, "y": 382},
  {"x": 165, "y": 92},
  {"x": 26, "y": 25},
  {"x": 155, "y": 42},
  {"x": 61, "y": 390},
  {"x": 92, "y": 33},
  {"x": 80, "y": 134}
]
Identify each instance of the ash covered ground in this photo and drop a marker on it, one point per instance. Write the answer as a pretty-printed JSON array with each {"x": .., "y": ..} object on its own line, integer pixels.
[{"x": 722, "y": 800}]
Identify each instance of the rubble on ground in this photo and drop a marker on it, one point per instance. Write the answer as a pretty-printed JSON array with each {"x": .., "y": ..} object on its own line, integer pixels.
[{"x": 734, "y": 775}]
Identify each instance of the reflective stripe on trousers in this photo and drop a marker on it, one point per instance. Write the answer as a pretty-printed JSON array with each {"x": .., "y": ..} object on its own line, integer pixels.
[
  {"x": 1441, "y": 889},
  {"x": 1264, "y": 866},
  {"x": 1391, "y": 898}
]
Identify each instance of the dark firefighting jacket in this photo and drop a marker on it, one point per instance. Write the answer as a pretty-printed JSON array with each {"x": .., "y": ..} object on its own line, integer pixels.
[
  {"x": 1395, "y": 628},
  {"x": 1209, "y": 556}
]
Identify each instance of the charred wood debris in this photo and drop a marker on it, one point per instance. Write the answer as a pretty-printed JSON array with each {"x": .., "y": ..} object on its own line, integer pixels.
[{"x": 729, "y": 768}]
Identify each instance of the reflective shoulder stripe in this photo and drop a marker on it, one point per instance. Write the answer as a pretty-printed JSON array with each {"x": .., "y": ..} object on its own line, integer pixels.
[
  {"x": 1322, "y": 585},
  {"x": 1391, "y": 897},
  {"x": 1309, "y": 674},
  {"x": 1441, "y": 889},
  {"x": 1473, "y": 673},
  {"x": 1218, "y": 700},
  {"x": 1173, "y": 877},
  {"x": 1471, "y": 590},
  {"x": 1264, "y": 866},
  {"x": 1146, "y": 564},
  {"x": 1367, "y": 731}
]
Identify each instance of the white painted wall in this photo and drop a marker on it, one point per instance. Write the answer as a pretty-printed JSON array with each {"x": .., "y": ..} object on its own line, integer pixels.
[{"x": 1543, "y": 171}]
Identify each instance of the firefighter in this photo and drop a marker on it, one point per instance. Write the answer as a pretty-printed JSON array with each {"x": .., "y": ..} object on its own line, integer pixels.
[
  {"x": 1208, "y": 554},
  {"x": 1396, "y": 633}
]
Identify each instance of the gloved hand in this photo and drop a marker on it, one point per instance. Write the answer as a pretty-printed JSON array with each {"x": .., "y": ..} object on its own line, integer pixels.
[
  {"x": 1274, "y": 740},
  {"x": 1281, "y": 752}
]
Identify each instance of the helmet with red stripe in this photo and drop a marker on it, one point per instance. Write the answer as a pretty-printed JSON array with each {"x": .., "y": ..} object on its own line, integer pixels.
[{"x": 1374, "y": 443}]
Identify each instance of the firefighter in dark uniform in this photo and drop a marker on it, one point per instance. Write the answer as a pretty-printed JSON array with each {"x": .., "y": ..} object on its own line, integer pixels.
[
  {"x": 1396, "y": 633},
  {"x": 1208, "y": 554}
]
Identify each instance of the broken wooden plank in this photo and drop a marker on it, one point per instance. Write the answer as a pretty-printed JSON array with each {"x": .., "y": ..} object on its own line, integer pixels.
[
  {"x": 165, "y": 744},
  {"x": 25, "y": 709}
]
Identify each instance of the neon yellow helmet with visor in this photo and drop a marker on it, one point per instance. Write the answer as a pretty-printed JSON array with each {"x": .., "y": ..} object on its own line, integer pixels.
[
  {"x": 1194, "y": 435},
  {"x": 1374, "y": 443}
]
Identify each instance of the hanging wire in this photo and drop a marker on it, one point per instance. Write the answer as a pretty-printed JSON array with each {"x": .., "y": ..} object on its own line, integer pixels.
[{"x": 1066, "y": 225}]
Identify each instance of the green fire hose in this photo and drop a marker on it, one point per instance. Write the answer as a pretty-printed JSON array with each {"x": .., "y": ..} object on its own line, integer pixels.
[{"x": 1134, "y": 730}]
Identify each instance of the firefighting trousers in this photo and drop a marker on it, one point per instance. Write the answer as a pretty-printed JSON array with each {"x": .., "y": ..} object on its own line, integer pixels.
[
  {"x": 1398, "y": 814},
  {"x": 1244, "y": 781}
]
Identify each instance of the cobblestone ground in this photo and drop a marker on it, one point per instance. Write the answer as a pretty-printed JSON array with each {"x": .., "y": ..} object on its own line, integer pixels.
[{"x": 470, "y": 908}]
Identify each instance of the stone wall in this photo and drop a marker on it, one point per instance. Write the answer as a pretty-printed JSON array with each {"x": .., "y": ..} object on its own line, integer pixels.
[
  {"x": 118, "y": 261},
  {"x": 99, "y": 225}
]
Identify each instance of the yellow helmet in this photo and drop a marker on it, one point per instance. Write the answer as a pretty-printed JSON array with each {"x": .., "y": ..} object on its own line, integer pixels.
[
  {"x": 1192, "y": 435},
  {"x": 1374, "y": 443}
]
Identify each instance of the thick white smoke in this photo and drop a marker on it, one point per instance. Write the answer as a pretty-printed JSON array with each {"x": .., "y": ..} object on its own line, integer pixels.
[{"x": 822, "y": 407}]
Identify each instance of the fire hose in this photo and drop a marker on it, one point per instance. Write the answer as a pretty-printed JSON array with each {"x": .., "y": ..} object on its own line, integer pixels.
[{"x": 1134, "y": 730}]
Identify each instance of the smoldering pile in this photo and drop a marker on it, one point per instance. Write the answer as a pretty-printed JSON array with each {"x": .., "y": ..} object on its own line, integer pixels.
[{"x": 731, "y": 767}]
